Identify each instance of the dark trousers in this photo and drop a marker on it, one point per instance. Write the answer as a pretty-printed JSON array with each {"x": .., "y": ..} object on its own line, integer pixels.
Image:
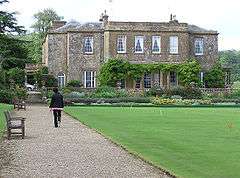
[{"x": 57, "y": 117}]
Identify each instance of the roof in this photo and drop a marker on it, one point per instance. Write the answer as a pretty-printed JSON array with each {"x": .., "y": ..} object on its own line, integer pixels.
[
  {"x": 76, "y": 26},
  {"x": 196, "y": 29},
  {"x": 132, "y": 26}
]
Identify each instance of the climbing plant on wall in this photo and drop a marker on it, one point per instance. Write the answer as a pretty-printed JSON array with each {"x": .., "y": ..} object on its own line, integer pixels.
[{"x": 117, "y": 69}]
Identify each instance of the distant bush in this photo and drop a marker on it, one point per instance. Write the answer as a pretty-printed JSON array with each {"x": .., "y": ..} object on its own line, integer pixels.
[
  {"x": 6, "y": 96},
  {"x": 155, "y": 91},
  {"x": 162, "y": 101},
  {"x": 74, "y": 83},
  {"x": 109, "y": 100},
  {"x": 74, "y": 95},
  {"x": 185, "y": 92}
]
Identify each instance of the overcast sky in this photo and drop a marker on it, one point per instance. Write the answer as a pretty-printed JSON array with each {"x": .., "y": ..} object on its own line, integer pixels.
[{"x": 223, "y": 16}]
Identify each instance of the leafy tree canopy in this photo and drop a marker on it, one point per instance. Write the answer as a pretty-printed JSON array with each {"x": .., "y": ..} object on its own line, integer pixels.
[
  {"x": 8, "y": 22},
  {"x": 44, "y": 19}
]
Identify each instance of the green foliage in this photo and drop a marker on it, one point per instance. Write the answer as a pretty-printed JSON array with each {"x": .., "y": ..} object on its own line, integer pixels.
[
  {"x": 214, "y": 78},
  {"x": 231, "y": 58},
  {"x": 33, "y": 45},
  {"x": 44, "y": 19},
  {"x": 13, "y": 62},
  {"x": 117, "y": 69},
  {"x": 162, "y": 101},
  {"x": 6, "y": 96},
  {"x": 8, "y": 21},
  {"x": 155, "y": 91},
  {"x": 3, "y": 79},
  {"x": 184, "y": 92},
  {"x": 50, "y": 81},
  {"x": 20, "y": 93},
  {"x": 16, "y": 76},
  {"x": 74, "y": 83},
  {"x": 113, "y": 71},
  {"x": 189, "y": 72},
  {"x": 108, "y": 92}
]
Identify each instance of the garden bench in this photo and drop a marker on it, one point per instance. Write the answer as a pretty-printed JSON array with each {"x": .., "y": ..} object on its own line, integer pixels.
[
  {"x": 14, "y": 123},
  {"x": 19, "y": 104}
]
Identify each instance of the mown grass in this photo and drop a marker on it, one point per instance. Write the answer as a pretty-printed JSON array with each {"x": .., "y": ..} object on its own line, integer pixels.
[
  {"x": 188, "y": 142},
  {"x": 3, "y": 107}
]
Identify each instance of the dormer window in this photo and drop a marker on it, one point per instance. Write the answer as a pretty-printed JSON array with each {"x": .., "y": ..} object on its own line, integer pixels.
[
  {"x": 88, "y": 45},
  {"x": 198, "y": 46},
  {"x": 156, "y": 43},
  {"x": 173, "y": 44},
  {"x": 121, "y": 44},
  {"x": 138, "y": 44}
]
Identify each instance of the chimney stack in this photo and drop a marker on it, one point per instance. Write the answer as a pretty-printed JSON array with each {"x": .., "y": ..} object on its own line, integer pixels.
[{"x": 57, "y": 24}]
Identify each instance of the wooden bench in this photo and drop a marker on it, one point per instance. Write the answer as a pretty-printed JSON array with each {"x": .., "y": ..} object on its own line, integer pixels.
[
  {"x": 19, "y": 104},
  {"x": 14, "y": 123}
]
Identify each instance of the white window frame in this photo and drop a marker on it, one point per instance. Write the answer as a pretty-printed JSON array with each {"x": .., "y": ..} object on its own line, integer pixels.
[
  {"x": 158, "y": 39},
  {"x": 198, "y": 41},
  {"x": 92, "y": 79},
  {"x": 173, "y": 44},
  {"x": 141, "y": 40},
  {"x": 124, "y": 40},
  {"x": 84, "y": 45},
  {"x": 147, "y": 80},
  {"x": 61, "y": 80}
]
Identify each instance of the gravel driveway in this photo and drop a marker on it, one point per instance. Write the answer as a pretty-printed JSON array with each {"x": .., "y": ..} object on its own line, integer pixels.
[{"x": 73, "y": 150}]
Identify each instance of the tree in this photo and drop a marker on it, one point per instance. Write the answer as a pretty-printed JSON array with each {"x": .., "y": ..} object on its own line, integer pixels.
[
  {"x": 8, "y": 22},
  {"x": 231, "y": 58},
  {"x": 214, "y": 78},
  {"x": 44, "y": 19}
]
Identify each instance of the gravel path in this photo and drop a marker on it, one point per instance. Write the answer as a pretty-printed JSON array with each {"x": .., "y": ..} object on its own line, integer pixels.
[{"x": 73, "y": 150}]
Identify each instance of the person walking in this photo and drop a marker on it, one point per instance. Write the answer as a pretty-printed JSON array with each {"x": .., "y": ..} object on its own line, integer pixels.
[{"x": 56, "y": 106}]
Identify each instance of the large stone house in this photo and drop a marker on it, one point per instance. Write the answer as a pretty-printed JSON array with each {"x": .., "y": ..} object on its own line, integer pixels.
[{"x": 74, "y": 51}]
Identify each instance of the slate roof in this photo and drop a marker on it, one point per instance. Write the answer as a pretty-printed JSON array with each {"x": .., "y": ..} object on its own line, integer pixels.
[
  {"x": 196, "y": 29},
  {"x": 76, "y": 26}
]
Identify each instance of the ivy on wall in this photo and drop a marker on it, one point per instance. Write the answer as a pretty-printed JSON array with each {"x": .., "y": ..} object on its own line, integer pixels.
[{"x": 117, "y": 69}]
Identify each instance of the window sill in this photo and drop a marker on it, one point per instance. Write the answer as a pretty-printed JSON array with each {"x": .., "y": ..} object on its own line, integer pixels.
[
  {"x": 88, "y": 53},
  {"x": 118, "y": 52},
  {"x": 138, "y": 52},
  {"x": 199, "y": 54}
]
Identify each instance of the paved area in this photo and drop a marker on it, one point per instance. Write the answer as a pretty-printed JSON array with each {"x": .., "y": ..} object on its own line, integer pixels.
[{"x": 73, "y": 150}]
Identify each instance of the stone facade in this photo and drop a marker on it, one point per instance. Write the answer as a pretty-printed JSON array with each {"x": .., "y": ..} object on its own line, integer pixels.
[{"x": 63, "y": 49}]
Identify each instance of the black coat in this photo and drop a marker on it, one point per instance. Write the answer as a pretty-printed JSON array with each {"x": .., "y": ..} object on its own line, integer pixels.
[{"x": 57, "y": 101}]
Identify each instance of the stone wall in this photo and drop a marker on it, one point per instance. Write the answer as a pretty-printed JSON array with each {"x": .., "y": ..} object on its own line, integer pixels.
[
  {"x": 57, "y": 53},
  {"x": 78, "y": 60},
  {"x": 148, "y": 56},
  {"x": 210, "y": 50}
]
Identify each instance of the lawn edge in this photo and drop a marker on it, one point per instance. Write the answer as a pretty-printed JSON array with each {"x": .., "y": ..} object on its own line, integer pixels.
[{"x": 135, "y": 154}]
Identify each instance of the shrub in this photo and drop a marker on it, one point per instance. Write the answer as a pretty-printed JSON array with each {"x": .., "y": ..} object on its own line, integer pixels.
[
  {"x": 16, "y": 76},
  {"x": 74, "y": 95},
  {"x": 109, "y": 100},
  {"x": 50, "y": 81},
  {"x": 214, "y": 78},
  {"x": 185, "y": 92},
  {"x": 155, "y": 91},
  {"x": 74, "y": 83},
  {"x": 20, "y": 93},
  {"x": 6, "y": 96},
  {"x": 162, "y": 101}
]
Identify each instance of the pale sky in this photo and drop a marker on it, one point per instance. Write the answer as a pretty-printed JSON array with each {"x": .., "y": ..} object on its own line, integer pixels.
[{"x": 223, "y": 16}]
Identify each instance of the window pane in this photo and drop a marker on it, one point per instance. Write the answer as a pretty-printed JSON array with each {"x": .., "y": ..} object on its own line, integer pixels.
[
  {"x": 174, "y": 44},
  {"x": 173, "y": 78},
  {"x": 147, "y": 80},
  {"x": 121, "y": 44},
  {"x": 90, "y": 79},
  {"x": 199, "y": 46},
  {"x": 138, "y": 83},
  {"x": 88, "y": 44},
  {"x": 156, "y": 44},
  {"x": 139, "y": 44}
]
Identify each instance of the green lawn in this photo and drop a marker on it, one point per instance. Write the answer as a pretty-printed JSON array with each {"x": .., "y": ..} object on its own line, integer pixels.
[
  {"x": 188, "y": 142},
  {"x": 3, "y": 107}
]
